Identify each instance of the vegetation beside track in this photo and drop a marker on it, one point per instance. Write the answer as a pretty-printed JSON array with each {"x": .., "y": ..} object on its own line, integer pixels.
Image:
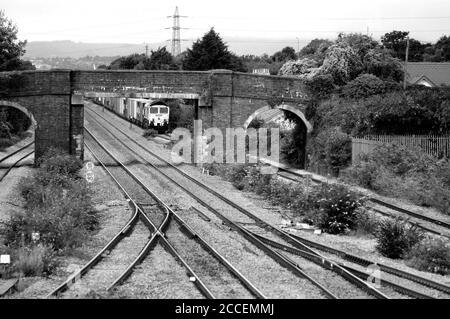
[
  {"x": 397, "y": 171},
  {"x": 337, "y": 210},
  {"x": 58, "y": 216}
]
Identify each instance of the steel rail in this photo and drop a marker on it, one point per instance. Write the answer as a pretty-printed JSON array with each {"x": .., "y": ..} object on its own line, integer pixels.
[
  {"x": 15, "y": 152},
  {"x": 372, "y": 199},
  {"x": 152, "y": 242},
  {"x": 162, "y": 237},
  {"x": 296, "y": 251},
  {"x": 365, "y": 262},
  {"x": 384, "y": 213},
  {"x": 379, "y": 202},
  {"x": 14, "y": 165},
  {"x": 125, "y": 231},
  {"x": 280, "y": 259}
]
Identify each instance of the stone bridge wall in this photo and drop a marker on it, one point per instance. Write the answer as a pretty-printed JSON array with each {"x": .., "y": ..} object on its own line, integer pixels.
[{"x": 225, "y": 98}]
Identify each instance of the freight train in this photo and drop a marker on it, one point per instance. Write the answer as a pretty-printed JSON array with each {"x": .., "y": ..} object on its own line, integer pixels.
[{"x": 146, "y": 113}]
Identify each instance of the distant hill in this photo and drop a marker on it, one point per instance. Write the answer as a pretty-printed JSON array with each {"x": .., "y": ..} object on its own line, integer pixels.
[
  {"x": 67, "y": 48},
  {"x": 48, "y": 49}
]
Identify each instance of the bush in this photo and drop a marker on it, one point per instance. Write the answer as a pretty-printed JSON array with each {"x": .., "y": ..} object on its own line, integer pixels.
[
  {"x": 366, "y": 223},
  {"x": 58, "y": 206},
  {"x": 395, "y": 238},
  {"x": 150, "y": 133},
  {"x": 431, "y": 255},
  {"x": 320, "y": 86},
  {"x": 34, "y": 261},
  {"x": 333, "y": 208},
  {"x": 333, "y": 148},
  {"x": 56, "y": 162},
  {"x": 62, "y": 218},
  {"x": 363, "y": 86},
  {"x": 237, "y": 174},
  {"x": 396, "y": 171}
]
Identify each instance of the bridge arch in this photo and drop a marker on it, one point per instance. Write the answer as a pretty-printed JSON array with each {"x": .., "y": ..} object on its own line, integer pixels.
[
  {"x": 302, "y": 129},
  {"x": 286, "y": 107},
  {"x": 21, "y": 108}
]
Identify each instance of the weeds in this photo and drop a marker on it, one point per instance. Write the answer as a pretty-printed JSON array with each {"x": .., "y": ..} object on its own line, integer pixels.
[
  {"x": 397, "y": 171},
  {"x": 58, "y": 214},
  {"x": 395, "y": 238},
  {"x": 35, "y": 260},
  {"x": 150, "y": 133},
  {"x": 432, "y": 255}
]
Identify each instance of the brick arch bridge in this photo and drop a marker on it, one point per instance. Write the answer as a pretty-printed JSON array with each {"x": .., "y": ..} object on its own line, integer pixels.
[
  {"x": 26, "y": 110},
  {"x": 222, "y": 98}
]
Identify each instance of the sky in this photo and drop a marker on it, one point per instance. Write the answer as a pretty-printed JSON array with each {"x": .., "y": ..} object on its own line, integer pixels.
[{"x": 144, "y": 21}]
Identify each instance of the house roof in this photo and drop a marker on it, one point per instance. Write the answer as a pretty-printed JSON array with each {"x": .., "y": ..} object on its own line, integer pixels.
[
  {"x": 421, "y": 79},
  {"x": 436, "y": 72}
]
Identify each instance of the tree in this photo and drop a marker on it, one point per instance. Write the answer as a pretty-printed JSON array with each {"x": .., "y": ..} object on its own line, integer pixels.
[
  {"x": 360, "y": 43},
  {"x": 130, "y": 62},
  {"x": 315, "y": 49},
  {"x": 396, "y": 41},
  {"x": 442, "y": 49},
  {"x": 209, "y": 53},
  {"x": 303, "y": 68},
  {"x": 342, "y": 63},
  {"x": 286, "y": 54},
  {"x": 11, "y": 49},
  {"x": 381, "y": 63},
  {"x": 161, "y": 59}
]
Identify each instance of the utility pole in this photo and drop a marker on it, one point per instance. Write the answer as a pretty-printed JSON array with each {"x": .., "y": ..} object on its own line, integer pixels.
[
  {"x": 298, "y": 47},
  {"x": 406, "y": 63},
  {"x": 176, "y": 40},
  {"x": 146, "y": 50}
]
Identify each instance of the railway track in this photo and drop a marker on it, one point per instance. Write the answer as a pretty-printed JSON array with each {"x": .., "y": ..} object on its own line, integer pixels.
[
  {"x": 161, "y": 232},
  {"x": 302, "y": 246},
  {"x": 21, "y": 153},
  {"x": 309, "y": 256},
  {"x": 296, "y": 177}
]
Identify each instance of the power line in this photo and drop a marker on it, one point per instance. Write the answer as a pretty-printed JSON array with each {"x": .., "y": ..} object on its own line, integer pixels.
[{"x": 326, "y": 18}]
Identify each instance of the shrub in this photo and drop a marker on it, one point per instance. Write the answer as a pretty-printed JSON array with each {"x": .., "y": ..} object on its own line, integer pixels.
[
  {"x": 56, "y": 162},
  {"x": 237, "y": 174},
  {"x": 442, "y": 169},
  {"x": 34, "y": 261},
  {"x": 333, "y": 148},
  {"x": 256, "y": 182},
  {"x": 431, "y": 255},
  {"x": 302, "y": 68},
  {"x": 366, "y": 223},
  {"x": 63, "y": 219},
  {"x": 320, "y": 86},
  {"x": 395, "y": 238},
  {"x": 150, "y": 133},
  {"x": 363, "y": 86},
  {"x": 396, "y": 171},
  {"x": 58, "y": 205},
  {"x": 333, "y": 208},
  {"x": 362, "y": 173},
  {"x": 401, "y": 159}
]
